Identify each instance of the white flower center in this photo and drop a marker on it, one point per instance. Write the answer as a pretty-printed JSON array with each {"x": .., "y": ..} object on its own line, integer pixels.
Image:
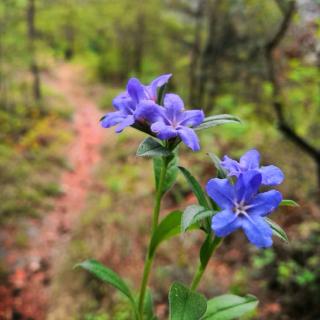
[{"x": 240, "y": 208}]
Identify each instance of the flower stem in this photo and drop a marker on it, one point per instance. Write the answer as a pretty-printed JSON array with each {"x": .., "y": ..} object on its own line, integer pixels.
[
  {"x": 204, "y": 262},
  {"x": 159, "y": 194},
  {"x": 155, "y": 220}
]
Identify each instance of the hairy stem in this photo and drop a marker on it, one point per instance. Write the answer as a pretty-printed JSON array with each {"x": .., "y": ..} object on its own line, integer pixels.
[
  {"x": 155, "y": 220},
  {"x": 204, "y": 262}
]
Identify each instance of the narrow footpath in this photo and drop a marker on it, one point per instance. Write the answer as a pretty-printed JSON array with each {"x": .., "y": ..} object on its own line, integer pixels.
[{"x": 32, "y": 267}]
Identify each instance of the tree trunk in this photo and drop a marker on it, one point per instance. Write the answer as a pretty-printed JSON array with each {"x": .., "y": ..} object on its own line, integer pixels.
[
  {"x": 69, "y": 50},
  {"x": 318, "y": 175},
  {"x": 195, "y": 53},
  {"x": 208, "y": 56},
  {"x": 139, "y": 44},
  {"x": 34, "y": 69}
]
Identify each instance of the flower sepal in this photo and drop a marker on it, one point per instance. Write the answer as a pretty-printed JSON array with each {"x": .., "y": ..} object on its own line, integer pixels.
[
  {"x": 221, "y": 172},
  {"x": 289, "y": 203},
  {"x": 277, "y": 230}
]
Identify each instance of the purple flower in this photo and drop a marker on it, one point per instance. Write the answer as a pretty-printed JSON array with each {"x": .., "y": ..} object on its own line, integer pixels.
[
  {"x": 243, "y": 207},
  {"x": 173, "y": 120},
  {"x": 139, "y": 92},
  {"x": 127, "y": 103},
  {"x": 271, "y": 175}
]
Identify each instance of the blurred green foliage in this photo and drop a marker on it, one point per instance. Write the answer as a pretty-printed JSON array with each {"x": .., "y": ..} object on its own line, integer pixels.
[
  {"x": 294, "y": 272},
  {"x": 30, "y": 154}
]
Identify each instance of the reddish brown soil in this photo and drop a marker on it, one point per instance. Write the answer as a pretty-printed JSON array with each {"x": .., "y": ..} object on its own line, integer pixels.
[{"x": 26, "y": 293}]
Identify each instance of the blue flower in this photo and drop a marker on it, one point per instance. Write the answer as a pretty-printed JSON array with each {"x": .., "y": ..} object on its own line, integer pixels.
[
  {"x": 243, "y": 207},
  {"x": 271, "y": 175},
  {"x": 127, "y": 104},
  {"x": 173, "y": 120}
]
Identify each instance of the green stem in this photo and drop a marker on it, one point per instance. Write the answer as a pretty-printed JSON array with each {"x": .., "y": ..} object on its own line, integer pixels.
[
  {"x": 155, "y": 220},
  {"x": 204, "y": 262},
  {"x": 159, "y": 194}
]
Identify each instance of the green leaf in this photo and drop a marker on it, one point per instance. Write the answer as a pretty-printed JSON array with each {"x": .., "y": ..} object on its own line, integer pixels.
[
  {"x": 195, "y": 187},
  {"x": 185, "y": 304},
  {"x": 289, "y": 203},
  {"x": 207, "y": 248},
  {"x": 148, "y": 311},
  {"x": 229, "y": 306},
  {"x": 152, "y": 148},
  {"x": 193, "y": 214},
  {"x": 167, "y": 228},
  {"x": 277, "y": 230},
  {"x": 171, "y": 174},
  {"x": 217, "y": 120},
  {"x": 221, "y": 172},
  {"x": 107, "y": 275}
]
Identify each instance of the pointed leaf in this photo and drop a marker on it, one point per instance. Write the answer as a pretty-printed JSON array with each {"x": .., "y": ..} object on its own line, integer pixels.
[
  {"x": 217, "y": 120},
  {"x": 148, "y": 311},
  {"x": 193, "y": 214},
  {"x": 171, "y": 174},
  {"x": 167, "y": 228},
  {"x": 195, "y": 187},
  {"x": 229, "y": 306},
  {"x": 207, "y": 248},
  {"x": 289, "y": 203},
  {"x": 106, "y": 275},
  {"x": 185, "y": 304},
  {"x": 152, "y": 148},
  {"x": 277, "y": 230},
  {"x": 221, "y": 172}
]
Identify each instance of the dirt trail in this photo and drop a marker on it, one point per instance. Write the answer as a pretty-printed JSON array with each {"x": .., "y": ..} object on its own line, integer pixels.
[{"x": 32, "y": 267}]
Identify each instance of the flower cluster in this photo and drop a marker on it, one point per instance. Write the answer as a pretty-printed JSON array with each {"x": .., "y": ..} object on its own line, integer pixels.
[
  {"x": 139, "y": 105},
  {"x": 241, "y": 204}
]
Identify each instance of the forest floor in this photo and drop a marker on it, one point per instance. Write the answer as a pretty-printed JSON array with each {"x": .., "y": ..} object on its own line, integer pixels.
[{"x": 26, "y": 293}]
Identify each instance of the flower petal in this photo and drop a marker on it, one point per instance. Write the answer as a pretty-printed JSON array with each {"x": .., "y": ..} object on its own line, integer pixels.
[
  {"x": 232, "y": 166},
  {"x": 248, "y": 185},
  {"x": 264, "y": 203},
  {"x": 271, "y": 175},
  {"x": 125, "y": 105},
  {"x": 222, "y": 192},
  {"x": 163, "y": 131},
  {"x": 250, "y": 160},
  {"x": 192, "y": 118},
  {"x": 189, "y": 137},
  {"x": 174, "y": 105},
  {"x": 119, "y": 99},
  {"x": 158, "y": 82},
  {"x": 128, "y": 121},
  {"x": 225, "y": 222},
  {"x": 148, "y": 110},
  {"x": 111, "y": 119},
  {"x": 135, "y": 90},
  {"x": 257, "y": 231}
]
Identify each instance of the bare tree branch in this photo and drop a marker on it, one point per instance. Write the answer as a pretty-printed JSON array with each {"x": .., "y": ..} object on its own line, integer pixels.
[
  {"x": 284, "y": 127},
  {"x": 283, "y": 28}
]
